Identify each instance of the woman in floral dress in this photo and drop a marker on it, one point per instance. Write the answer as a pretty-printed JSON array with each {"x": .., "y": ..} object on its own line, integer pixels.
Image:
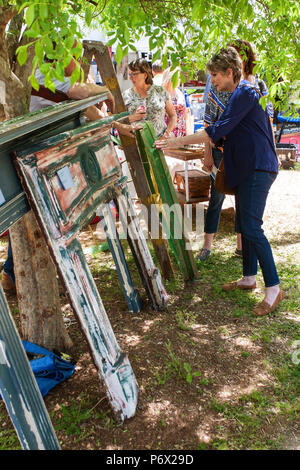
[
  {"x": 146, "y": 101},
  {"x": 177, "y": 98}
]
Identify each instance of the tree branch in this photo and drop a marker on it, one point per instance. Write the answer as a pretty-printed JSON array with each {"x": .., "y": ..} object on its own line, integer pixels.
[
  {"x": 13, "y": 35},
  {"x": 6, "y": 14}
]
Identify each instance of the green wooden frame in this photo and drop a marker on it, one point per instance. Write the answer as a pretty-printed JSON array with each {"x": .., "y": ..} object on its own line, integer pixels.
[{"x": 156, "y": 168}]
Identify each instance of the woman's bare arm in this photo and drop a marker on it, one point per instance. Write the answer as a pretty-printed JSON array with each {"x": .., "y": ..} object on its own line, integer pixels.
[{"x": 177, "y": 142}]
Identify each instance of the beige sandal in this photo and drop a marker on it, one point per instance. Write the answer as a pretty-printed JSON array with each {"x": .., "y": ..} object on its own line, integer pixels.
[{"x": 263, "y": 308}]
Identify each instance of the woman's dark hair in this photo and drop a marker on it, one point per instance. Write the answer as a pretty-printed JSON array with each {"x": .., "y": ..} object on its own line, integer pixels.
[
  {"x": 246, "y": 53},
  {"x": 226, "y": 59},
  {"x": 141, "y": 65},
  {"x": 157, "y": 66}
]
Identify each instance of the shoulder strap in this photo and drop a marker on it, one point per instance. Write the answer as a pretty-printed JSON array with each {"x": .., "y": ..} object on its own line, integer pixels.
[{"x": 47, "y": 94}]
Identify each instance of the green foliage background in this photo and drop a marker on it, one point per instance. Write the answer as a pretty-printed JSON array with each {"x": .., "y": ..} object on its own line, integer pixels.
[{"x": 185, "y": 31}]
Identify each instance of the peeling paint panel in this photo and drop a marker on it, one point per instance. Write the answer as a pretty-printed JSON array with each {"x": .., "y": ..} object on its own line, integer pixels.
[{"x": 94, "y": 168}]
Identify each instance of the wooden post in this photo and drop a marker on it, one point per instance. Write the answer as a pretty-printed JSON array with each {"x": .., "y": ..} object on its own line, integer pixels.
[
  {"x": 155, "y": 161},
  {"x": 107, "y": 72}
]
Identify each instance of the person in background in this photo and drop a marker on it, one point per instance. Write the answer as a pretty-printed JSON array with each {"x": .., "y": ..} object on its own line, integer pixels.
[
  {"x": 157, "y": 72},
  {"x": 207, "y": 88},
  {"x": 178, "y": 101},
  {"x": 216, "y": 102},
  {"x": 251, "y": 167},
  {"x": 146, "y": 101}
]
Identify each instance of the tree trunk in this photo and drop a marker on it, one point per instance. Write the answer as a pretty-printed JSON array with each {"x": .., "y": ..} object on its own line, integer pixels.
[
  {"x": 36, "y": 281},
  {"x": 37, "y": 287}
]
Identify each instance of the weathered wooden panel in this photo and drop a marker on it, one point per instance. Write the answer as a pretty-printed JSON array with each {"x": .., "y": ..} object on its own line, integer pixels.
[
  {"x": 19, "y": 389},
  {"x": 18, "y": 386},
  {"x": 162, "y": 187},
  {"x": 131, "y": 295},
  {"x": 66, "y": 178},
  {"x": 149, "y": 273},
  {"x": 20, "y": 132}
]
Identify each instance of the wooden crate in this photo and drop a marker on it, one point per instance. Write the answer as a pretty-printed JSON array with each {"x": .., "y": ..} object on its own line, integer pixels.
[
  {"x": 286, "y": 154},
  {"x": 198, "y": 183}
]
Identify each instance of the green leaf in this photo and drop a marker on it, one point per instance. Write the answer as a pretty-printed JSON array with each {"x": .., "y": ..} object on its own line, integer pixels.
[
  {"x": 77, "y": 50},
  {"x": 43, "y": 9},
  {"x": 30, "y": 15},
  {"x": 175, "y": 79},
  {"x": 44, "y": 68},
  {"x": 39, "y": 50},
  {"x": 49, "y": 82},
  {"x": 164, "y": 61},
  {"x": 34, "y": 82},
  {"x": 22, "y": 54},
  {"x": 156, "y": 55},
  {"x": 126, "y": 34},
  {"x": 133, "y": 48},
  {"x": 75, "y": 75},
  {"x": 152, "y": 43},
  {"x": 189, "y": 378},
  {"x": 88, "y": 16},
  {"x": 31, "y": 33},
  {"x": 119, "y": 54},
  {"x": 111, "y": 42},
  {"x": 59, "y": 72}
]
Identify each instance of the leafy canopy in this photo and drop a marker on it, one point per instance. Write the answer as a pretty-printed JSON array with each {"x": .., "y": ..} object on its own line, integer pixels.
[{"x": 186, "y": 32}]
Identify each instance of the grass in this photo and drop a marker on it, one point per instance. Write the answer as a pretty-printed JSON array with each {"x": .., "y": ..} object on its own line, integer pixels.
[
  {"x": 175, "y": 367},
  {"x": 253, "y": 411},
  {"x": 8, "y": 438}
]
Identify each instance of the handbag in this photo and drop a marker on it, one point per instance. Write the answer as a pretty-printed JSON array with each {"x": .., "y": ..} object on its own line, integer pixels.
[{"x": 220, "y": 180}]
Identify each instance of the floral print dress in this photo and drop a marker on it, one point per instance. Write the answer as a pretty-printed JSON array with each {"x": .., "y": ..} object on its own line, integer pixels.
[
  {"x": 179, "y": 106},
  {"x": 154, "y": 103}
]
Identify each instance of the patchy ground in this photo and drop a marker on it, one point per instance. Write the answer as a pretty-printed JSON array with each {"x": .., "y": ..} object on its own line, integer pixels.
[{"x": 211, "y": 375}]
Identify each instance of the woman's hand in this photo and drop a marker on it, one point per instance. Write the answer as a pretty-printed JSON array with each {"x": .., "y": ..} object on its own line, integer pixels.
[
  {"x": 208, "y": 161},
  {"x": 137, "y": 116},
  {"x": 171, "y": 143},
  {"x": 167, "y": 134},
  {"x": 124, "y": 129}
]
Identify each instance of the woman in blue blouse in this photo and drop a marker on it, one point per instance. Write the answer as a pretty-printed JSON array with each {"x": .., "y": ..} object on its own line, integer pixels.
[{"x": 251, "y": 167}]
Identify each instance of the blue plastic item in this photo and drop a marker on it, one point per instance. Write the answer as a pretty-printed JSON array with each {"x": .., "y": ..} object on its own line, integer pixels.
[
  {"x": 198, "y": 125},
  {"x": 186, "y": 97},
  {"x": 49, "y": 368},
  {"x": 287, "y": 119}
]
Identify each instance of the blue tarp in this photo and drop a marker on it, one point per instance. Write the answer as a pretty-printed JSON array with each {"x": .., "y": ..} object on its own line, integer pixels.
[{"x": 49, "y": 368}]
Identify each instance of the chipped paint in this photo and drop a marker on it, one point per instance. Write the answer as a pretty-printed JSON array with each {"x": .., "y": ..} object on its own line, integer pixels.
[
  {"x": 160, "y": 181},
  {"x": 131, "y": 294},
  {"x": 19, "y": 389},
  {"x": 62, "y": 213},
  {"x": 150, "y": 274}
]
